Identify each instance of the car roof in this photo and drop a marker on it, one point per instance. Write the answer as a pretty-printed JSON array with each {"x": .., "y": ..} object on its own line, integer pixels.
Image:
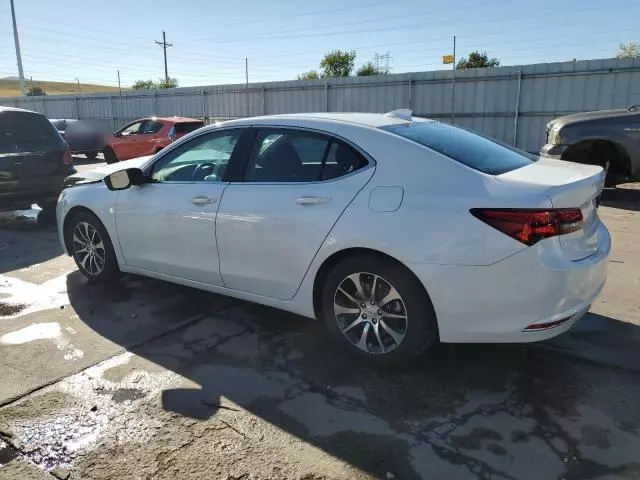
[
  {"x": 15, "y": 109},
  {"x": 374, "y": 120},
  {"x": 175, "y": 119}
]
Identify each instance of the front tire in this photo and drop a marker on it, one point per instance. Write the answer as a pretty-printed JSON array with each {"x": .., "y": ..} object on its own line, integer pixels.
[
  {"x": 110, "y": 156},
  {"x": 91, "y": 248},
  {"x": 377, "y": 310}
]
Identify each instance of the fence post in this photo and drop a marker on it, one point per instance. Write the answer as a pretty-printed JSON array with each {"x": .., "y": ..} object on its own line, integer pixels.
[
  {"x": 326, "y": 95},
  {"x": 411, "y": 94},
  {"x": 264, "y": 101},
  {"x": 77, "y": 107},
  {"x": 204, "y": 106},
  {"x": 155, "y": 103},
  {"x": 517, "y": 111}
]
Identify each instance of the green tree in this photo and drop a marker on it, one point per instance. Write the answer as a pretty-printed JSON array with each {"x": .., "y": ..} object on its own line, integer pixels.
[
  {"x": 310, "y": 75},
  {"x": 169, "y": 83},
  {"x": 144, "y": 85},
  {"x": 366, "y": 70},
  {"x": 477, "y": 60},
  {"x": 338, "y": 63},
  {"x": 629, "y": 50},
  {"x": 36, "y": 91},
  {"x": 151, "y": 85},
  {"x": 369, "y": 68}
]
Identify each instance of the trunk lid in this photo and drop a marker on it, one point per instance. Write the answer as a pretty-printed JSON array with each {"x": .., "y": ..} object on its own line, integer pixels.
[{"x": 567, "y": 185}]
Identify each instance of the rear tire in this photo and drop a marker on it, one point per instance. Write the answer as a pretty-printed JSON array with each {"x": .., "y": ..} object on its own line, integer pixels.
[
  {"x": 110, "y": 156},
  {"x": 91, "y": 248},
  {"x": 91, "y": 155},
  {"x": 398, "y": 316}
]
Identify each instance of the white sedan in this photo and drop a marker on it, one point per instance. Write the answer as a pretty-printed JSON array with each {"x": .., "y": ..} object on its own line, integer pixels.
[{"x": 394, "y": 230}]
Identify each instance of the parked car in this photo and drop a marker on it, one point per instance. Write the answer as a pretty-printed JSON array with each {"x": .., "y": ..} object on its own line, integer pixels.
[
  {"x": 609, "y": 138},
  {"x": 84, "y": 137},
  {"x": 147, "y": 136},
  {"x": 34, "y": 160},
  {"x": 394, "y": 230}
]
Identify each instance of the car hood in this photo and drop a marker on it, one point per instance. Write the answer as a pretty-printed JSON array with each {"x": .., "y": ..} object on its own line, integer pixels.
[
  {"x": 98, "y": 174},
  {"x": 585, "y": 116}
]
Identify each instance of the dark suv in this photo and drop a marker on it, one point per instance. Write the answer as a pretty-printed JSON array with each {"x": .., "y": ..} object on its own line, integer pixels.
[
  {"x": 609, "y": 138},
  {"x": 34, "y": 160}
]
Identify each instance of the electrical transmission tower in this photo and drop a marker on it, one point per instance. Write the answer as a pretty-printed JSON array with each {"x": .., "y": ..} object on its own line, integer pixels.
[
  {"x": 164, "y": 46},
  {"x": 382, "y": 62}
]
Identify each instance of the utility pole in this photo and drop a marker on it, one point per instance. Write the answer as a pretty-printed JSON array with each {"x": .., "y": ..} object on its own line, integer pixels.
[
  {"x": 17, "y": 44},
  {"x": 164, "y": 46}
]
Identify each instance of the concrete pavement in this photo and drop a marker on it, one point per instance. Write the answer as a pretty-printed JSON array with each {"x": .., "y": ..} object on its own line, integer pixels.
[{"x": 150, "y": 380}]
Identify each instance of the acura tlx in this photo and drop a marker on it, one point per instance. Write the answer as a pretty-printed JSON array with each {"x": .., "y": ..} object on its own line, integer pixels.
[{"x": 394, "y": 230}]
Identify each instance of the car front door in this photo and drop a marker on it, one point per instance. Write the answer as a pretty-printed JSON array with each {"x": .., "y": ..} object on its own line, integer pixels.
[
  {"x": 269, "y": 227},
  {"x": 125, "y": 143},
  {"x": 168, "y": 226},
  {"x": 147, "y": 137}
]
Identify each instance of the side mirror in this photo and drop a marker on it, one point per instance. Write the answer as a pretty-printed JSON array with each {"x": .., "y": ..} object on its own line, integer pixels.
[
  {"x": 123, "y": 179},
  {"x": 117, "y": 134}
]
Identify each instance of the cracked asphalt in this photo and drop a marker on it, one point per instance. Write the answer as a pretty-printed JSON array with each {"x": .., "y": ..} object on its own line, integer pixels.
[{"x": 147, "y": 380}]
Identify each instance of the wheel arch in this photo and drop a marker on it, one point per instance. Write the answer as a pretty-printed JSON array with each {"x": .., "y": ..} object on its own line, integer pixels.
[
  {"x": 336, "y": 257},
  {"x": 622, "y": 161},
  {"x": 66, "y": 222}
]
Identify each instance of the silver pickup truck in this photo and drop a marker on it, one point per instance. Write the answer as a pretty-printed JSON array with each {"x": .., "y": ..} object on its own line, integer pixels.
[{"x": 609, "y": 138}]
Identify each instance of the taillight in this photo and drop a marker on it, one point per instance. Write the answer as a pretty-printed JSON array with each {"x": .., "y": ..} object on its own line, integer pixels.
[
  {"x": 67, "y": 159},
  {"x": 531, "y": 225}
]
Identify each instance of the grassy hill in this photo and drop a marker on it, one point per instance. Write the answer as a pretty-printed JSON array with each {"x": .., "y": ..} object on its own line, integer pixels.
[{"x": 11, "y": 87}]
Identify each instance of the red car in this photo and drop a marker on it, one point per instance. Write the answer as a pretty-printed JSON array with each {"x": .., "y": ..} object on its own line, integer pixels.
[{"x": 147, "y": 136}]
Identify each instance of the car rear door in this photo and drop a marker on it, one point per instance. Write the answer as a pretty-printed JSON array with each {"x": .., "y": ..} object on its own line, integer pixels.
[
  {"x": 31, "y": 155},
  {"x": 271, "y": 224}
]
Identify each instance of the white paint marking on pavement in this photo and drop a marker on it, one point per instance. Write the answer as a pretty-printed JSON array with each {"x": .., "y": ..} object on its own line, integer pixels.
[
  {"x": 32, "y": 297},
  {"x": 36, "y": 331},
  {"x": 43, "y": 331}
]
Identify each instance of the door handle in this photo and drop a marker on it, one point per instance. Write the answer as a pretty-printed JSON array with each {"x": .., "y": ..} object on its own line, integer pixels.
[
  {"x": 312, "y": 200},
  {"x": 202, "y": 200}
]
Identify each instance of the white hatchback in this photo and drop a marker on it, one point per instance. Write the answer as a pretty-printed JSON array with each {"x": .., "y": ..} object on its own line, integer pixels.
[{"x": 394, "y": 230}]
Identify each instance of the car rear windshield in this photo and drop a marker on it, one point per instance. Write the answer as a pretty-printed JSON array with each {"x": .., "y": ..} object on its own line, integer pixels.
[
  {"x": 476, "y": 151},
  {"x": 27, "y": 132},
  {"x": 187, "y": 127}
]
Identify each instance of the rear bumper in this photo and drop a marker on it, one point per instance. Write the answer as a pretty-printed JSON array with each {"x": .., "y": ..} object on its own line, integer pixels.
[
  {"x": 553, "y": 151},
  {"x": 496, "y": 303}
]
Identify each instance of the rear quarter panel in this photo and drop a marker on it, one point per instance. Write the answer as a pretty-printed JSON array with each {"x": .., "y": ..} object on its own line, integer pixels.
[{"x": 433, "y": 224}]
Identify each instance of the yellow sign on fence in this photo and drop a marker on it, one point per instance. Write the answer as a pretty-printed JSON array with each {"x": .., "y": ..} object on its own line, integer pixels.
[{"x": 447, "y": 59}]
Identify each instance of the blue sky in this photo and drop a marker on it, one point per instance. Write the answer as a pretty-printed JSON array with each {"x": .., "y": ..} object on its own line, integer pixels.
[{"x": 64, "y": 40}]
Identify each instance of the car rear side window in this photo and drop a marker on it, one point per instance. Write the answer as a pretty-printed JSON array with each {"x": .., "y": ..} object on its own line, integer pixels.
[
  {"x": 187, "y": 127},
  {"x": 473, "y": 150},
  {"x": 27, "y": 132},
  {"x": 284, "y": 155}
]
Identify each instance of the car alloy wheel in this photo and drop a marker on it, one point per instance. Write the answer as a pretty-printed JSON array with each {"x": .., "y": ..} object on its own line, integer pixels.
[
  {"x": 88, "y": 248},
  {"x": 370, "y": 313}
]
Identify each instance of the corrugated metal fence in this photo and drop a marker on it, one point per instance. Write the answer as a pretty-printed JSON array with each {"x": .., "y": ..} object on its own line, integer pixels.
[{"x": 512, "y": 104}]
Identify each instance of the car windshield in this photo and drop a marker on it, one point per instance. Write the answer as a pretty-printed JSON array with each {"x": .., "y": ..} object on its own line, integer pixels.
[{"x": 471, "y": 149}]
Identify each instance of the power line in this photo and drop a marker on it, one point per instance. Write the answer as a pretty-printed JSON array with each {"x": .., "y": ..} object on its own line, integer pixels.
[{"x": 164, "y": 46}]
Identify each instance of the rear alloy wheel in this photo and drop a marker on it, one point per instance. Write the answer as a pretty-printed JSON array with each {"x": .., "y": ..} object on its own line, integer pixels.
[
  {"x": 377, "y": 310},
  {"x": 92, "y": 249},
  {"x": 110, "y": 156}
]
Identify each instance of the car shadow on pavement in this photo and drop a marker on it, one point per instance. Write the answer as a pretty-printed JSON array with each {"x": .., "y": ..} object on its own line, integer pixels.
[
  {"x": 285, "y": 370},
  {"x": 27, "y": 237},
  {"x": 621, "y": 197}
]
